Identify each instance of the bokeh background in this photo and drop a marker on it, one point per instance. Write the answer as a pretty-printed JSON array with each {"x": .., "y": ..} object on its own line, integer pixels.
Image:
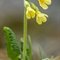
[{"x": 46, "y": 35}]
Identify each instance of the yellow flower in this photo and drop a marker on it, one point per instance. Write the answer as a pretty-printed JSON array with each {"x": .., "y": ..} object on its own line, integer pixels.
[
  {"x": 41, "y": 17},
  {"x": 30, "y": 13},
  {"x": 44, "y": 3}
]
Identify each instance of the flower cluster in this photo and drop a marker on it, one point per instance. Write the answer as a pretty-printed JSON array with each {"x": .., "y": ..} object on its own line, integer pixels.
[{"x": 32, "y": 10}]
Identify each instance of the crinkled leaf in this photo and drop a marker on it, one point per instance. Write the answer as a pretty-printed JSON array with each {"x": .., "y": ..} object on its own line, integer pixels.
[{"x": 12, "y": 47}]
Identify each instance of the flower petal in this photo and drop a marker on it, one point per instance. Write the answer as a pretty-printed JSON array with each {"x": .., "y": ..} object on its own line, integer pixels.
[
  {"x": 28, "y": 15},
  {"x": 41, "y": 17},
  {"x": 48, "y": 2},
  {"x": 44, "y": 6},
  {"x": 38, "y": 20},
  {"x": 32, "y": 14},
  {"x": 45, "y": 15},
  {"x": 44, "y": 19},
  {"x": 44, "y": 3}
]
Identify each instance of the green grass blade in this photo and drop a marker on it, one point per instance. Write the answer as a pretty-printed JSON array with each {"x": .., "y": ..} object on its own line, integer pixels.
[{"x": 30, "y": 48}]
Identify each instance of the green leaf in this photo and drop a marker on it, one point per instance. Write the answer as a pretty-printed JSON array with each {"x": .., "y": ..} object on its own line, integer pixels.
[
  {"x": 21, "y": 44},
  {"x": 29, "y": 48},
  {"x": 12, "y": 47},
  {"x": 42, "y": 53}
]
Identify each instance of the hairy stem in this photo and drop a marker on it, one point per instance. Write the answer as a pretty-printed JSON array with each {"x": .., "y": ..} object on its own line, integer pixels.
[{"x": 24, "y": 33}]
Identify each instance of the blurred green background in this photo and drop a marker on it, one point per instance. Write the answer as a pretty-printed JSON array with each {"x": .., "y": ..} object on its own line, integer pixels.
[{"x": 46, "y": 35}]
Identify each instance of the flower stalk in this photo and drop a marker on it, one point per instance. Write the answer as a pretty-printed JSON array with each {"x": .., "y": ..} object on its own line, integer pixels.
[{"x": 24, "y": 34}]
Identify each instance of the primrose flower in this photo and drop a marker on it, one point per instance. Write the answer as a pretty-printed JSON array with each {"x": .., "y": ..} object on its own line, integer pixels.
[
  {"x": 30, "y": 13},
  {"x": 44, "y": 3},
  {"x": 41, "y": 17}
]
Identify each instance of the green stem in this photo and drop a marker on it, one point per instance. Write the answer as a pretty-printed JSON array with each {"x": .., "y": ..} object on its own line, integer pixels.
[{"x": 24, "y": 34}]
